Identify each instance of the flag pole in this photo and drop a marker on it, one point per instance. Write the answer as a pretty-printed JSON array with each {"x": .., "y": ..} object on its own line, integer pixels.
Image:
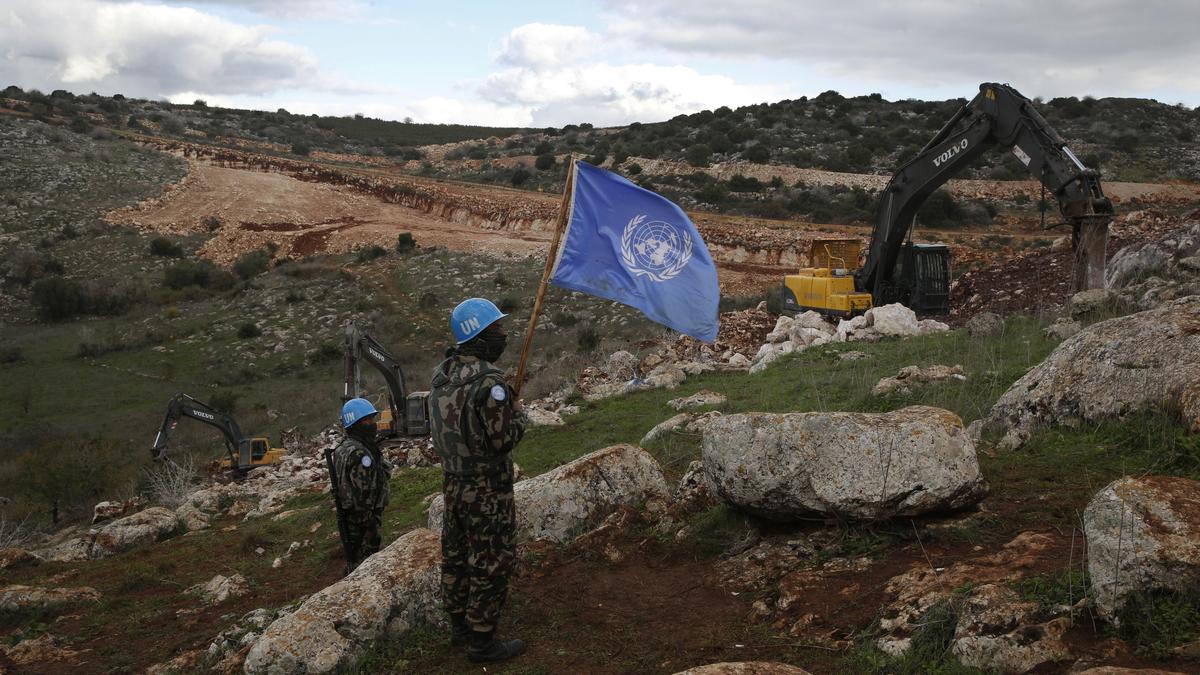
[{"x": 559, "y": 226}]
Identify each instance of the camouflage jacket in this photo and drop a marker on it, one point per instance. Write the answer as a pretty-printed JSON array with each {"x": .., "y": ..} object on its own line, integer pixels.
[
  {"x": 362, "y": 476},
  {"x": 471, "y": 417}
]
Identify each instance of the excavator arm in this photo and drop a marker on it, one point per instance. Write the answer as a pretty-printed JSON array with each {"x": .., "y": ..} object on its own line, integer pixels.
[
  {"x": 997, "y": 116},
  {"x": 182, "y": 406}
]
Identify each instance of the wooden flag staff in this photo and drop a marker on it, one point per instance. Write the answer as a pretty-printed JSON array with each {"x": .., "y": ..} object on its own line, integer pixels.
[{"x": 560, "y": 226}]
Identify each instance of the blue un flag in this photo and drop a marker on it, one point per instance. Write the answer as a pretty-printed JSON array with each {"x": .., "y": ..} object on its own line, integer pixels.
[{"x": 628, "y": 244}]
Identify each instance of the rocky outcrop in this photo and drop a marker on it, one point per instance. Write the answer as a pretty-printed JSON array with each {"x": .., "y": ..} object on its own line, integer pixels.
[
  {"x": 1063, "y": 328},
  {"x": 145, "y": 527},
  {"x": 562, "y": 504},
  {"x": 984, "y": 324},
  {"x": 537, "y": 417},
  {"x": 38, "y": 652},
  {"x": 13, "y": 558},
  {"x": 1141, "y": 261},
  {"x": 912, "y": 376},
  {"x": 1092, "y": 302},
  {"x": 924, "y": 588},
  {"x": 114, "y": 509},
  {"x": 19, "y": 598},
  {"x": 1109, "y": 370},
  {"x": 392, "y": 592},
  {"x": 999, "y": 632},
  {"x": 855, "y": 465},
  {"x": 1143, "y": 534},
  {"x": 745, "y": 668},
  {"x": 221, "y": 588},
  {"x": 701, "y": 399}
]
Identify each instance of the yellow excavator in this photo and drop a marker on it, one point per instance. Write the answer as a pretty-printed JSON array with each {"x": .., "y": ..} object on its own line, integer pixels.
[
  {"x": 918, "y": 275},
  {"x": 243, "y": 453},
  {"x": 406, "y": 414}
]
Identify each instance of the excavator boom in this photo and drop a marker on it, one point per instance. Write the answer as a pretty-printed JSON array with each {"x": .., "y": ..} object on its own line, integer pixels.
[
  {"x": 997, "y": 116},
  {"x": 409, "y": 414}
]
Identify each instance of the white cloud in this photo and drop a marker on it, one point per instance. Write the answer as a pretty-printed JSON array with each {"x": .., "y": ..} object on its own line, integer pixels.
[
  {"x": 143, "y": 50},
  {"x": 540, "y": 45},
  {"x": 284, "y": 9},
  {"x": 557, "y": 87},
  {"x": 1058, "y": 47}
]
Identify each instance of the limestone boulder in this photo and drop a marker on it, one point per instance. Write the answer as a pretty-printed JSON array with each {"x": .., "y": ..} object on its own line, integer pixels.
[
  {"x": 910, "y": 377},
  {"x": 562, "y": 504},
  {"x": 701, "y": 399},
  {"x": 894, "y": 320},
  {"x": 984, "y": 324},
  {"x": 142, "y": 528},
  {"x": 1143, "y": 534},
  {"x": 856, "y": 465},
  {"x": 191, "y": 518},
  {"x": 114, "y": 509},
  {"x": 543, "y": 418},
  {"x": 1109, "y": 370},
  {"x": 745, "y": 668},
  {"x": 386, "y": 597},
  {"x": 1063, "y": 328},
  {"x": 665, "y": 376},
  {"x": 221, "y": 588},
  {"x": 621, "y": 366},
  {"x": 665, "y": 427},
  {"x": 999, "y": 632},
  {"x": 1091, "y": 302}
]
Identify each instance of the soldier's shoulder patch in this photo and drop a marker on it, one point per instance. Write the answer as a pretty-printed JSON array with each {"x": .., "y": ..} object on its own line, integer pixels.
[
  {"x": 499, "y": 392},
  {"x": 366, "y": 461}
]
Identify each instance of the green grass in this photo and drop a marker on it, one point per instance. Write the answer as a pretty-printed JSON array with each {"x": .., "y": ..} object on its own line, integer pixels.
[
  {"x": 1156, "y": 622},
  {"x": 929, "y": 654}
]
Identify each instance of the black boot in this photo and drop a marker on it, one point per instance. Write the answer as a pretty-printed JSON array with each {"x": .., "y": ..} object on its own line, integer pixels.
[
  {"x": 485, "y": 648},
  {"x": 460, "y": 630}
]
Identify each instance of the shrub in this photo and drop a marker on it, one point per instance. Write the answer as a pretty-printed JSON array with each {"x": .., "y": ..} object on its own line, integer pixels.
[
  {"x": 369, "y": 253},
  {"x": 169, "y": 483},
  {"x": 633, "y": 169},
  {"x": 519, "y": 177},
  {"x": 544, "y": 162},
  {"x": 224, "y": 400},
  {"x": 564, "y": 319},
  {"x": 252, "y": 264},
  {"x": 428, "y": 300},
  {"x": 328, "y": 351},
  {"x": 293, "y": 297},
  {"x": 740, "y": 183},
  {"x": 57, "y": 298},
  {"x": 698, "y": 155},
  {"x": 189, "y": 273},
  {"x": 27, "y": 265},
  {"x": 165, "y": 247},
  {"x": 302, "y": 149},
  {"x": 757, "y": 153},
  {"x": 508, "y": 304},
  {"x": 587, "y": 340},
  {"x": 405, "y": 242},
  {"x": 248, "y": 330}
]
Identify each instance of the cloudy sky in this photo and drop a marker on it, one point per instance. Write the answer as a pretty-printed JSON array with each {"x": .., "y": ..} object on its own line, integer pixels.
[{"x": 536, "y": 63}]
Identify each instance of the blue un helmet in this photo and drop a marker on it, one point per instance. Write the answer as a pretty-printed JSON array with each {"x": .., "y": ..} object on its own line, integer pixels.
[
  {"x": 472, "y": 316},
  {"x": 355, "y": 409}
]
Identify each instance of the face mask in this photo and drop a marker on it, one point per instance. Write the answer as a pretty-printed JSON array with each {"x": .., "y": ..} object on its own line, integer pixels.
[{"x": 494, "y": 344}]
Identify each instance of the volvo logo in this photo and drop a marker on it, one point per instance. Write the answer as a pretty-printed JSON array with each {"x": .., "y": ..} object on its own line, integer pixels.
[
  {"x": 950, "y": 152},
  {"x": 205, "y": 415},
  {"x": 376, "y": 354}
]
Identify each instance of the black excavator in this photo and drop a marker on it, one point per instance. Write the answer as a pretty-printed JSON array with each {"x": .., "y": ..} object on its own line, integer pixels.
[
  {"x": 406, "y": 414},
  {"x": 244, "y": 453},
  {"x": 918, "y": 275}
]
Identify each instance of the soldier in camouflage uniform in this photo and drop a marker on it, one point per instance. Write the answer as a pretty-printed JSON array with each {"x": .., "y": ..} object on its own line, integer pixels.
[
  {"x": 360, "y": 475},
  {"x": 475, "y": 423}
]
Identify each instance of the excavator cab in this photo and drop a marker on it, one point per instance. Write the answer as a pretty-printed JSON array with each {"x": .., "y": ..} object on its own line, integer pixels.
[
  {"x": 923, "y": 278},
  {"x": 417, "y": 413}
]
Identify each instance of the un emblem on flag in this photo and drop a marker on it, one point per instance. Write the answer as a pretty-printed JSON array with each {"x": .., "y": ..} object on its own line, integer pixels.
[{"x": 655, "y": 249}]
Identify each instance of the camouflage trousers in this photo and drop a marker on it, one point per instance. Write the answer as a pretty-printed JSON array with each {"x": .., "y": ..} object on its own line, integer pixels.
[
  {"x": 479, "y": 546},
  {"x": 362, "y": 536}
]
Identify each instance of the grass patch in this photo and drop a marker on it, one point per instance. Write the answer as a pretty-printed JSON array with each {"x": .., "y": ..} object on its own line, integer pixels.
[
  {"x": 1156, "y": 622},
  {"x": 1053, "y": 590},
  {"x": 930, "y": 652}
]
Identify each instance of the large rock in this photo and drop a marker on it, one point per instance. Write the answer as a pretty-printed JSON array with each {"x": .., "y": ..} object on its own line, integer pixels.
[
  {"x": 1109, "y": 370},
  {"x": 984, "y": 324},
  {"x": 145, "y": 527},
  {"x": 745, "y": 668},
  {"x": 1163, "y": 256},
  {"x": 621, "y": 366},
  {"x": 1143, "y": 534},
  {"x": 893, "y": 320},
  {"x": 911, "y": 376},
  {"x": 1093, "y": 301},
  {"x": 390, "y": 594},
  {"x": 559, "y": 505},
  {"x": 220, "y": 588},
  {"x": 701, "y": 399},
  {"x": 538, "y": 417},
  {"x": 857, "y": 465}
]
